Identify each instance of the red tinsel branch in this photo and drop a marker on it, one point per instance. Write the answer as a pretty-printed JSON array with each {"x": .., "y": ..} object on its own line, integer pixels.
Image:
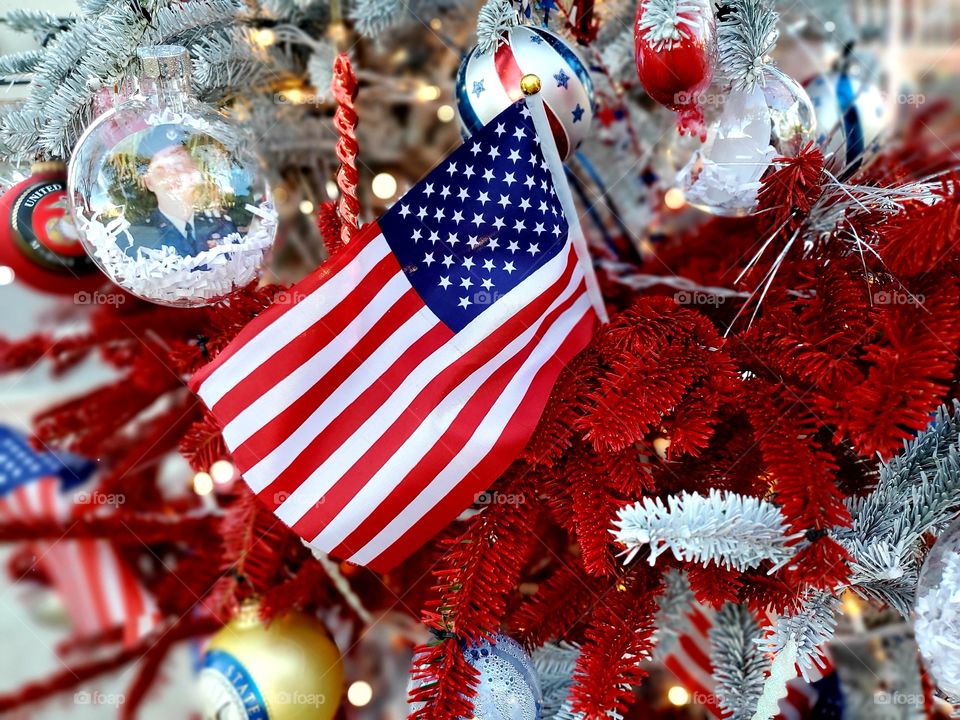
[
  {"x": 486, "y": 560},
  {"x": 330, "y": 227},
  {"x": 618, "y": 640},
  {"x": 344, "y": 87},
  {"x": 443, "y": 680},
  {"x": 124, "y": 527},
  {"x": 559, "y": 605},
  {"x": 254, "y": 542}
]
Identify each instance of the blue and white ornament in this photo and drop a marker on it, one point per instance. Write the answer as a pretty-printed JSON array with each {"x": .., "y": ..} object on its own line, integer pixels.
[
  {"x": 509, "y": 687},
  {"x": 852, "y": 113},
  {"x": 489, "y": 82}
]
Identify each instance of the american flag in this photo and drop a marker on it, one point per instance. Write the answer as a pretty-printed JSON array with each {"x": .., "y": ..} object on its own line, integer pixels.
[
  {"x": 99, "y": 592},
  {"x": 689, "y": 662},
  {"x": 411, "y": 369}
]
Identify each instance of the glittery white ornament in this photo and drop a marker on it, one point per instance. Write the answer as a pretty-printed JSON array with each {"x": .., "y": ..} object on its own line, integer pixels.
[
  {"x": 937, "y": 612},
  {"x": 509, "y": 687}
]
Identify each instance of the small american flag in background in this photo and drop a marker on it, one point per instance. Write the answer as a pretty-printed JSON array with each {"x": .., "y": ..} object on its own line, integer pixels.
[
  {"x": 689, "y": 662},
  {"x": 99, "y": 592},
  {"x": 412, "y": 368}
]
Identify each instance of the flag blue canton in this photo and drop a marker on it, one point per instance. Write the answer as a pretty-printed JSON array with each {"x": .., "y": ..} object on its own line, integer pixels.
[
  {"x": 480, "y": 222},
  {"x": 20, "y": 464}
]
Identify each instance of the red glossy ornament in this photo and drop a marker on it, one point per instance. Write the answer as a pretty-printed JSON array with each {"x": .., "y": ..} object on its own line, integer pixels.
[
  {"x": 38, "y": 239},
  {"x": 675, "y": 49}
]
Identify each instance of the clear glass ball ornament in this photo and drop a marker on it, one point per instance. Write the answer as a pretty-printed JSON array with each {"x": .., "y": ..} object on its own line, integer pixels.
[
  {"x": 937, "y": 612},
  {"x": 508, "y": 687},
  {"x": 169, "y": 197},
  {"x": 749, "y": 129}
]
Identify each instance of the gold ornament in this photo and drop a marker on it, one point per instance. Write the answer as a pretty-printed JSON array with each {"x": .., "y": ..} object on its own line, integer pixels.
[{"x": 287, "y": 670}]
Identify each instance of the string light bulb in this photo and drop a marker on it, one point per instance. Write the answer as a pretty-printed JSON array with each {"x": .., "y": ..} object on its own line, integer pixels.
[
  {"x": 384, "y": 186},
  {"x": 674, "y": 199},
  {"x": 359, "y": 693},
  {"x": 446, "y": 113},
  {"x": 337, "y": 32},
  {"x": 428, "y": 93},
  {"x": 295, "y": 96},
  {"x": 661, "y": 444},
  {"x": 222, "y": 472},
  {"x": 851, "y": 605},
  {"x": 7, "y": 275},
  {"x": 678, "y": 695},
  {"x": 264, "y": 37},
  {"x": 202, "y": 483},
  {"x": 306, "y": 207}
]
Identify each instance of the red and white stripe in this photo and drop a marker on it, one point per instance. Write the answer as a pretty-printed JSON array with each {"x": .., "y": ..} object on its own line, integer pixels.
[
  {"x": 689, "y": 662},
  {"x": 365, "y": 422},
  {"x": 99, "y": 592}
]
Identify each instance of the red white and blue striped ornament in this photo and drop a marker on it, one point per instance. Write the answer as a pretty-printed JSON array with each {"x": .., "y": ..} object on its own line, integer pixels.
[
  {"x": 489, "y": 82},
  {"x": 852, "y": 114}
]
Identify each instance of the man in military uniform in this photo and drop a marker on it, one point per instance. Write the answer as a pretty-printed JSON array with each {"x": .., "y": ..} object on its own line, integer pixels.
[{"x": 173, "y": 177}]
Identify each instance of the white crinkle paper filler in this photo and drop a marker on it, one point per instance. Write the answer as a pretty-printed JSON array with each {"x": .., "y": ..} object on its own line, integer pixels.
[{"x": 166, "y": 276}]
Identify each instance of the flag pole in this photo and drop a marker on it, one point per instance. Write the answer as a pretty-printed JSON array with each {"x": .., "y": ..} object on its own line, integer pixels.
[{"x": 530, "y": 85}]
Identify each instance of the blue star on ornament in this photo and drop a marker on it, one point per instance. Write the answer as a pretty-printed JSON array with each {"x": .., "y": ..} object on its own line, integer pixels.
[
  {"x": 562, "y": 78},
  {"x": 536, "y": 40},
  {"x": 478, "y": 87},
  {"x": 577, "y": 113}
]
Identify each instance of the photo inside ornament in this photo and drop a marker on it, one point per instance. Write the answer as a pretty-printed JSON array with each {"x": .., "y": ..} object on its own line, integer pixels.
[{"x": 750, "y": 128}]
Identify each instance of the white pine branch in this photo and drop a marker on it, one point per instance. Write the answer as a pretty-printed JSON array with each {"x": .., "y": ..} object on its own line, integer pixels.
[
  {"x": 673, "y": 606},
  {"x": 38, "y": 23},
  {"x": 918, "y": 492},
  {"x": 739, "y": 667},
  {"x": 808, "y": 630},
  {"x": 231, "y": 59},
  {"x": 746, "y": 36},
  {"x": 495, "y": 18},
  {"x": 185, "y": 24},
  {"x": 555, "y": 663},
  {"x": 19, "y": 64},
  {"x": 665, "y": 22},
  {"x": 374, "y": 17},
  {"x": 734, "y": 530}
]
